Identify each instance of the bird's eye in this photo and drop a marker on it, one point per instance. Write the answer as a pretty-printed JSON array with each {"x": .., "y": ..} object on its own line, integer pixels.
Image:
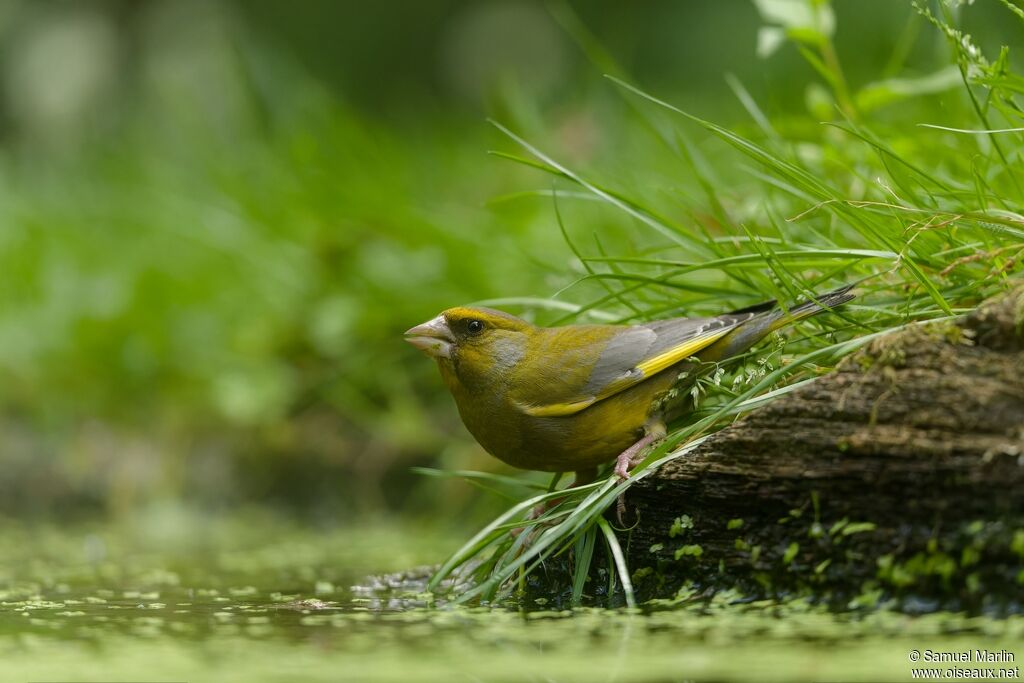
[{"x": 475, "y": 327}]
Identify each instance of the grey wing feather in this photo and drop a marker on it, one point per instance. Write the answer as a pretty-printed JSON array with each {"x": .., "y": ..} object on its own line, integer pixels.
[
  {"x": 625, "y": 351},
  {"x": 620, "y": 357}
]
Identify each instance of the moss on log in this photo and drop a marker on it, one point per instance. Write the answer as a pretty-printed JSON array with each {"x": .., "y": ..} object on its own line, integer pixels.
[{"x": 898, "y": 477}]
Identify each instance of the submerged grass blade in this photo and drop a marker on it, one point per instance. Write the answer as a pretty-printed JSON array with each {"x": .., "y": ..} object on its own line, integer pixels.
[
  {"x": 620, "y": 560},
  {"x": 584, "y": 555},
  {"x": 488, "y": 534}
]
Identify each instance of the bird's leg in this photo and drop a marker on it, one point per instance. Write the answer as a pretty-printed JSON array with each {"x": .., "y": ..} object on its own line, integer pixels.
[
  {"x": 584, "y": 476},
  {"x": 654, "y": 431}
]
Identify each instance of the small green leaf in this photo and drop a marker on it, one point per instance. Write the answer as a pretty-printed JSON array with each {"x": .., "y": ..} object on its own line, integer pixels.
[
  {"x": 1017, "y": 544},
  {"x": 679, "y": 525},
  {"x": 791, "y": 552},
  {"x": 689, "y": 551},
  {"x": 838, "y": 526}
]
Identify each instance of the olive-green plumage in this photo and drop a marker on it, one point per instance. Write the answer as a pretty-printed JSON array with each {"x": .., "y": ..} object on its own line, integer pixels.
[{"x": 571, "y": 398}]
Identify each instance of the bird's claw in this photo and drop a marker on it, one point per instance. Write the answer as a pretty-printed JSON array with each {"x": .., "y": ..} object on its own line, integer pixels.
[
  {"x": 630, "y": 458},
  {"x": 622, "y": 466},
  {"x": 634, "y": 455}
]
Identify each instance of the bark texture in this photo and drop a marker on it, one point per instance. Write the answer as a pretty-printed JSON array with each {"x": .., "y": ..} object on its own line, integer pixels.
[{"x": 898, "y": 477}]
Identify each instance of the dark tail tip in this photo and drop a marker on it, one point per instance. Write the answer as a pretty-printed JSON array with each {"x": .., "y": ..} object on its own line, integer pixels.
[
  {"x": 822, "y": 302},
  {"x": 756, "y": 308}
]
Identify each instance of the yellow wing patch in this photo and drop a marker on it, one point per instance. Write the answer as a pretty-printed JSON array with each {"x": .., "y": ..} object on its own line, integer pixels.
[
  {"x": 632, "y": 377},
  {"x": 559, "y": 409},
  {"x": 666, "y": 359}
]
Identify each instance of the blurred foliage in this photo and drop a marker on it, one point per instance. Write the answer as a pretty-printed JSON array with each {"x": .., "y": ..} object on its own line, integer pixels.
[{"x": 216, "y": 219}]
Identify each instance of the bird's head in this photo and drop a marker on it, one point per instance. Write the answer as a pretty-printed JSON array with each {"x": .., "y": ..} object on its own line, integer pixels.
[{"x": 472, "y": 339}]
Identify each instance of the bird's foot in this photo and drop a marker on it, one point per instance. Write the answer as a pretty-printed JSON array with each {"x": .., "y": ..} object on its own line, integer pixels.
[
  {"x": 632, "y": 456},
  {"x": 620, "y": 509},
  {"x": 627, "y": 460}
]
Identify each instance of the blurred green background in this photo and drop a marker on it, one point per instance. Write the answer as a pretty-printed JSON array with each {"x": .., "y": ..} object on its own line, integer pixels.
[{"x": 217, "y": 218}]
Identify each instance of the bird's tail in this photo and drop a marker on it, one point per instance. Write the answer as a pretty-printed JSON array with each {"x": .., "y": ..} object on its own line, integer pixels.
[
  {"x": 824, "y": 302},
  {"x": 767, "y": 321}
]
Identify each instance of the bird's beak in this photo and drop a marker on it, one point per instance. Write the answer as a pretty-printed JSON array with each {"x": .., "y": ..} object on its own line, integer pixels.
[{"x": 433, "y": 338}]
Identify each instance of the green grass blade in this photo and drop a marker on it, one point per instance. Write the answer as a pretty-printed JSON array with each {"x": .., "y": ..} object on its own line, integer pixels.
[
  {"x": 584, "y": 552},
  {"x": 676, "y": 235},
  {"x": 620, "y": 560}
]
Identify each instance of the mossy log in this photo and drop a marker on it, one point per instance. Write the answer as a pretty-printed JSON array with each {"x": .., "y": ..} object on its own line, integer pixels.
[{"x": 898, "y": 477}]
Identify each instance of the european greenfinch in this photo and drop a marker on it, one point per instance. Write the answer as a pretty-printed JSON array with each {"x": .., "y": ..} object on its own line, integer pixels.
[{"x": 571, "y": 398}]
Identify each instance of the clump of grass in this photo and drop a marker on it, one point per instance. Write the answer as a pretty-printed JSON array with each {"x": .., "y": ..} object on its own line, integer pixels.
[{"x": 921, "y": 213}]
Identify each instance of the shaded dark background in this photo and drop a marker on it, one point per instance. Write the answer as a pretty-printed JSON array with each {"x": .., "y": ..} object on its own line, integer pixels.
[{"x": 217, "y": 218}]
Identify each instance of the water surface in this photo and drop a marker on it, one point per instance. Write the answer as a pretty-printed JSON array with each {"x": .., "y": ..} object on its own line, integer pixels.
[{"x": 251, "y": 598}]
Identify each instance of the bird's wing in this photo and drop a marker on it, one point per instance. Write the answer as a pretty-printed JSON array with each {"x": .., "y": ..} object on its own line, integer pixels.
[{"x": 619, "y": 358}]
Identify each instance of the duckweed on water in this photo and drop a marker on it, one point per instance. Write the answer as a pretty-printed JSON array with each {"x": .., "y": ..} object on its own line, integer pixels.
[{"x": 231, "y": 604}]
